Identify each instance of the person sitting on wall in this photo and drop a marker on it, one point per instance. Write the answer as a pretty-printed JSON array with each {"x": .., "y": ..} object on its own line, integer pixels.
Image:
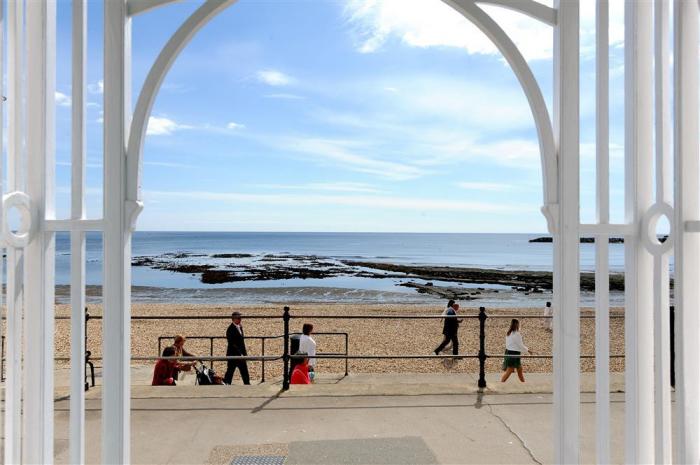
[
  {"x": 179, "y": 344},
  {"x": 164, "y": 371},
  {"x": 308, "y": 345},
  {"x": 300, "y": 374}
]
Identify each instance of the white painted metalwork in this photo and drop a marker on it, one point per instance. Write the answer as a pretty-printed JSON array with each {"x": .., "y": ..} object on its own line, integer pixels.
[
  {"x": 38, "y": 396},
  {"x": 116, "y": 286},
  {"x": 29, "y": 424},
  {"x": 77, "y": 237},
  {"x": 602, "y": 277},
  {"x": 662, "y": 337},
  {"x": 15, "y": 142},
  {"x": 639, "y": 330},
  {"x": 566, "y": 425},
  {"x": 687, "y": 243}
]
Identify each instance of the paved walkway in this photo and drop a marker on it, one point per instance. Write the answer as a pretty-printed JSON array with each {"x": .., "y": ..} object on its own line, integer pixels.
[{"x": 360, "y": 419}]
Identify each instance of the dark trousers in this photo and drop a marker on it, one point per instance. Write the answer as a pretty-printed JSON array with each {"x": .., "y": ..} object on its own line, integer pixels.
[
  {"x": 231, "y": 368},
  {"x": 448, "y": 338}
]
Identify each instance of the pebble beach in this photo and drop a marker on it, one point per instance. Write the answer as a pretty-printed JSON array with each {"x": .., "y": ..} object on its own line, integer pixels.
[{"x": 365, "y": 336}]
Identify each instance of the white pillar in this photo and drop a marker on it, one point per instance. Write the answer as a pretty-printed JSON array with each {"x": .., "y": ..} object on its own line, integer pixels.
[
  {"x": 639, "y": 271},
  {"x": 117, "y": 237},
  {"x": 662, "y": 337},
  {"x": 77, "y": 238},
  {"x": 602, "y": 278},
  {"x": 566, "y": 240},
  {"x": 15, "y": 140},
  {"x": 40, "y": 253},
  {"x": 687, "y": 244}
]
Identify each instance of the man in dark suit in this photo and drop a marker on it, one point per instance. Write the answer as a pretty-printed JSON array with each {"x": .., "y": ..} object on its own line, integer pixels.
[
  {"x": 450, "y": 329},
  {"x": 236, "y": 346}
]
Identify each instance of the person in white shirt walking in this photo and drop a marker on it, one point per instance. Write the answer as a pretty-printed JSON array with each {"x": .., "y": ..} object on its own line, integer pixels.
[
  {"x": 514, "y": 348},
  {"x": 308, "y": 345},
  {"x": 548, "y": 320}
]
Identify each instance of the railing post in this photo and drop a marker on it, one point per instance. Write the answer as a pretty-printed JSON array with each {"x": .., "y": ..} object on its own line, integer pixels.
[
  {"x": 2, "y": 361},
  {"x": 346, "y": 354},
  {"x": 482, "y": 347},
  {"x": 285, "y": 357},
  {"x": 87, "y": 352},
  {"x": 211, "y": 353},
  {"x": 263, "y": 360},
  {"x": 673, "y": 345}
]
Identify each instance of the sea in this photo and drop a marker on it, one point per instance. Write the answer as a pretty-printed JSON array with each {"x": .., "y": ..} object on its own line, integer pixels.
[{"x": 488, "y": 251}]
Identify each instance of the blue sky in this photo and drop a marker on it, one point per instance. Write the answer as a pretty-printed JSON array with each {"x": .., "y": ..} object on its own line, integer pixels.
[{"x": 339, "y": 116}]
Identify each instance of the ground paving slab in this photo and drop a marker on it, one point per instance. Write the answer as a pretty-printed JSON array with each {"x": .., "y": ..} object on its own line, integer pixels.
[{"x": 358, "y": 419}]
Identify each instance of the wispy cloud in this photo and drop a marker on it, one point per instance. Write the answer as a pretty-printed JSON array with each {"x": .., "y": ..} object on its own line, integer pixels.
[
  {"x": 97, "y": 87},
  {"x": 234, "y": 125},
  {"x": 330, "y": 187},
  {"x": 162, "y": 126},
  {"x": 167, "y": 164},
  {"x": 364, "y": 201},
  {"x": 484, "y": 186},
  {"x": 274, "y": 78},
  {"x": 352, "y": 155},
  {"x": 432, "y": 23},
  {"x": 285, "y": 96},
  {"x": 62, "y": 100}
]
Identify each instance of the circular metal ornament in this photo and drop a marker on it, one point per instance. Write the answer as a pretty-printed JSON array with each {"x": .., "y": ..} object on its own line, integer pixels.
[
  {"x": 648, "y": 233},
  {"x": 23, "y": 204}
]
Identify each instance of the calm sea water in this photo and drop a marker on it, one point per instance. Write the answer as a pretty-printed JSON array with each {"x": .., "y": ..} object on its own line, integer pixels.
[{"x": 501, "y": 251}]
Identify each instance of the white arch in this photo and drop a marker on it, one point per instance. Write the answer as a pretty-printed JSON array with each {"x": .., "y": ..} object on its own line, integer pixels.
[
  {"x": 142, "y": 112},
  {"x": 530, "y": 8},
  {"x": 493, "y": 31},
  {"x": 467, "y": 8}
]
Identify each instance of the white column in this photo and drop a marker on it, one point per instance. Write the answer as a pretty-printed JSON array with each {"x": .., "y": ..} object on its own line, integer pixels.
[
  {"x": 117, "y": 237},
  {"x": 40, "y": 252},
  {"x": 566, "y": 267},
  {"x": 662, "y": 337},
  {"x": 15, "y": 140},
  {"x": 602, "y": 279},
  {"x": 77, "y": 238},
  {"x": 687, "y": 244},
  {"x": 639, "y": 273}
]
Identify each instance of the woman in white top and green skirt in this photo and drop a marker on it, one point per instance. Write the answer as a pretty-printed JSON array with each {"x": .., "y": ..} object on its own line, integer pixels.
[{"x": 514, "y": 348}]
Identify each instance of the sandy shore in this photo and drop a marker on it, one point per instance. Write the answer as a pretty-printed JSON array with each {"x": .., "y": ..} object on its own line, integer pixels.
[{"x": 377, "y": 337}]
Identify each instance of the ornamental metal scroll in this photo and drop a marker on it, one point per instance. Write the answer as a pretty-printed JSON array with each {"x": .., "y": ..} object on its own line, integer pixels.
[{"x": 20, "y": 202}]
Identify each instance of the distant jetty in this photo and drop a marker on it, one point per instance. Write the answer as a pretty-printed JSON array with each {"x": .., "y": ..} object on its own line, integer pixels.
[{"x": 587, "y": 240}]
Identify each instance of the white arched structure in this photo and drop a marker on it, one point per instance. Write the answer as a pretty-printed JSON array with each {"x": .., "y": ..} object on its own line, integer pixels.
[{"x": 648, "y": 414}]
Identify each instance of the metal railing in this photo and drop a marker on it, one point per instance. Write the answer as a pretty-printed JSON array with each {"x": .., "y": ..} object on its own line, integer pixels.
[
  {"x": 286, "y": 357},
  {"x": 262, "y": 340}
]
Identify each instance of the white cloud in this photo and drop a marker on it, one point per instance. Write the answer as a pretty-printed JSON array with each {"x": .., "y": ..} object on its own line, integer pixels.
[
  {"x": 274, "y": 78},
  {"x": 484, "y": 186},
  {"x": 432, "y": 23},
  {"x": 161, "y": 126},
  {"x": 234, "y": 125},
  {"x": 62, "y": 100},
  {"x": 97, "y": 87},
  {"x": 285, "y": 96},
  {"x": 323, "y": 186},
  {"x": 167, "y": 164},
  {"x": 363, "y": 201},
  {"x": 353, "y": 156}
]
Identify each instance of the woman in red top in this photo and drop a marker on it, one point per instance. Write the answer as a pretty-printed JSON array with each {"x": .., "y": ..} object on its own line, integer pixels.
[
  {"x": 164, "y": 371},
  {"x": 300, "y": 375}
]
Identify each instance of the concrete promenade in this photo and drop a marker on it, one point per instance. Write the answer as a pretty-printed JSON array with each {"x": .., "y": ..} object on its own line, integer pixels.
[{"x": 359, "y": 419}]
